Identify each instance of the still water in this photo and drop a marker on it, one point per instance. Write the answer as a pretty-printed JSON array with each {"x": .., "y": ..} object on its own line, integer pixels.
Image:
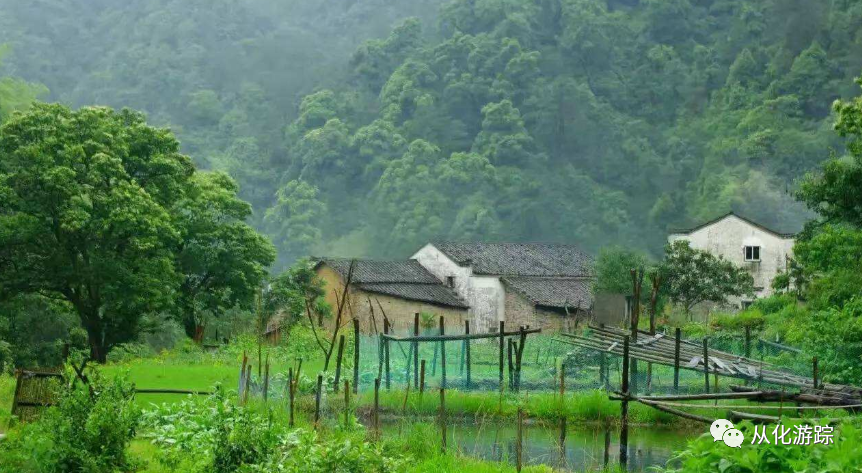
[{"x": 585, "y": 448}]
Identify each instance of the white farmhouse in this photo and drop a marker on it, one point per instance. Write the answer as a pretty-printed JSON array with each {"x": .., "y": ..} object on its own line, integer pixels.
[
  {"x": 536, "y": 284},
  {"x": 763, "y": 251}
]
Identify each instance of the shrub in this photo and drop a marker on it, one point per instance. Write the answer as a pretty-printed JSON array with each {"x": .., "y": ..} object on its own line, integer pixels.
[
  {"x": 703, "y": 454},
  {"x": 88, "y": 430}
]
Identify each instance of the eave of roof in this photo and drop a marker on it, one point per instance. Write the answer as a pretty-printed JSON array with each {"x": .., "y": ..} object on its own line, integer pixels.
[
  {"x": 518, "y": 259},
  {"x": 562, "y": 293},
  {"x": 405, "y": 279},
  {"x": 689, "y": 231}
]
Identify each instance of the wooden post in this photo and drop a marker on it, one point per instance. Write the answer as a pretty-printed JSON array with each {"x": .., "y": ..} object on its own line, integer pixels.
[
  {"x": 706, "y": 364},
  {"x": 649, "y": 378},
  {"x": 519, "y": 358},
  {"x": 607, "y": 458},
  {"x": 415, "y": 351},
  {"x": 19, "y": 379},
  {"x": 421, "y": 377},
  {"x": 338, "y": 362},
  {"x": 467, "y": 350},
  {"x": 442, "y": 353},
  {"x": 510, "y": 366},
  {"x": 408, "y": 376},
  {"x": 266, "y": 381},
  {"x": 443, "y": 419},
  {"x": 519, "y": 445},
  {"x": 290, "y": 397},
  {"x": 677, "y": 338},
  {"x": 747, "y": 341},
  {"x": 317, "y": 400},
  {"x": 602, "y": 363},
  {"x": 386, "y": 354},
  {"x": 502, "y": 342},
  {"x": 346, "y": 403},
  {"x": 624, "y": 410},
  {"x": 377, "y": 407},
  {"x": 563, "y": 405},
  {"x": 814, "y": 372},
  {"x": 356, "y": 356}
]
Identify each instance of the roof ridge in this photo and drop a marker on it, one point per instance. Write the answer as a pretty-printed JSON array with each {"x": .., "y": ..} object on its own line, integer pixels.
[{"x": 732, "y": 213}]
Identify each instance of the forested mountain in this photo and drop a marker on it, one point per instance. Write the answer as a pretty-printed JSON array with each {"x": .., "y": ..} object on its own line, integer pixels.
[{"x": 368, "y": 127}]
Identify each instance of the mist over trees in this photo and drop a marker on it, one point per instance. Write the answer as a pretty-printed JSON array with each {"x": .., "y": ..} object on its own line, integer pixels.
[{"x": 365, "y": 127}]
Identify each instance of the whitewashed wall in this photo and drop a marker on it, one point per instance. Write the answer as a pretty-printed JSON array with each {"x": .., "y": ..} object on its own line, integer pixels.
[
  {"x": 728, "y": 236},
  {"x": 484, "y": 294}
]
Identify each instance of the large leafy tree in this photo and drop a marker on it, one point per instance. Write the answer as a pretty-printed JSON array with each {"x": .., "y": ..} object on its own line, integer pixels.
[
  {"x": 693, "y": 276},
  {"x": 102, "y": 211},
  {"x": 220, "y": 257}
]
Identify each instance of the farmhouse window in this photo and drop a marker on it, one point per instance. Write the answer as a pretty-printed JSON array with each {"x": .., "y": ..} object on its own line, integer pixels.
[
  {"x": 752, "y": 253},
  {"x": 450, "y": 281}
]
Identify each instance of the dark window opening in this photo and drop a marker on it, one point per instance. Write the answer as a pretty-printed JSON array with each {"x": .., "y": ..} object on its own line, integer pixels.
[
  {"x": 450, "y": 281},
  {"x": 752, "y": 253}
]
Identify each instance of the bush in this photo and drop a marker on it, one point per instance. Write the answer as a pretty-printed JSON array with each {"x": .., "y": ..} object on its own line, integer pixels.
[
  {"x": 88, "y": 430},
  {"x": 214, "y": 435},
  {"x": 703, "y": 454}
]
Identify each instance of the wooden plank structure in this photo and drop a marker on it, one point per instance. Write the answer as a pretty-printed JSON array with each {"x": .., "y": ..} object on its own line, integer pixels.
[
  {"x": 662, "y": 349},
  {"x": 515, "y": 362},
  {"x": 34, "y": 391}
]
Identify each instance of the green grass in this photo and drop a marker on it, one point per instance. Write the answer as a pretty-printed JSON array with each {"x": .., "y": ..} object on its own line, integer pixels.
[
  {"x": 7, "y": 391},
  {"x": 591, "y": 406}
]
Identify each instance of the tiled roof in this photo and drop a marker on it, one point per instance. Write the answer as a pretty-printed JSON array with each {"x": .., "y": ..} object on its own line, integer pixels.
[
  {"x": 786, "y": 232},
  {"x": 519, "y": 259},
  {"x": 380, "y": 271},
  {"x": 431, "y": 293},
  {"x": 569, "y": 293},
  {"x": 406, "y": 279}
]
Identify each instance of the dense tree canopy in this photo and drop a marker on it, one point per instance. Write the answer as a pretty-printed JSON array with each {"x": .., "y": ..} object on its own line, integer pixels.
[
  {"x": 587, "y": 121},
  {"x": 693, "y": 276},
  {"x": 102, "y": 211}
]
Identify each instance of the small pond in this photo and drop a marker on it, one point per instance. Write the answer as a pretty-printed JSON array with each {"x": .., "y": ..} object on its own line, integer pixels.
[{"x": 586, "y": 448}]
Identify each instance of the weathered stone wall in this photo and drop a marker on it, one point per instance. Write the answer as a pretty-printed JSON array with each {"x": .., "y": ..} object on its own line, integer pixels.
[
  {"x": 484, "y": 294},
  {"x": 521, "y": 311},
  {"x": 729, "y": 236},
  {"x": 398, "y": 311}
]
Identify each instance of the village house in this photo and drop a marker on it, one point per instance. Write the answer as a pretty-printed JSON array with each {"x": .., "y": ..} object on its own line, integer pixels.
[
  {"x": 536, "y": 284},
  {"x": 764, "y": 251},
  {"x": 398, "y": 289}
]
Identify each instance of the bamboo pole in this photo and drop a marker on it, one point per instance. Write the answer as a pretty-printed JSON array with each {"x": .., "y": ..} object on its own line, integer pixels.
[
  {"x": 706, "y": 363},
  {"x": 317, "y": 400},
  {"x": 421, "y": 377},
  {"x": 356, "y": 341},
  {"x": 677, "y": 336},
  {"x": 290, "y": 397},
  {"x": 624, "y": 407},
  {"x": 519, "y": 445},
  {"x": 814, "y": 372},
  {"x": 386, "y": 353},
  {"x": 443, "y": 419},
  {"x": 467, "y": 351},
  {"x": 266, "y": 381},
  {"x": 338, "y": 362},
  {"x": 442, "y": 353},
  {"x": 502, "y": 342},
  {"x": 346, "y": 403},
  {"x": 377, "y": 408},
  {"x": 415, "y": 351}
]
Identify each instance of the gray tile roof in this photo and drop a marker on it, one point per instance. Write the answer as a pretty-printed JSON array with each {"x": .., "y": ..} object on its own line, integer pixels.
[
  {"x": 406, "y": 279},
  {"x": 519, "y": 259},
  {"x": 431, "y": 293},
  {"x": 785, "y": 230},
  {"x": 381, "y": 271},
  {"x": 572, "y": 293}
]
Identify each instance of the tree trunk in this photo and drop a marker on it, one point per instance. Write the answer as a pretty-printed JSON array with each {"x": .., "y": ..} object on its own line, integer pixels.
[{"x": 98, "y": 349}]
